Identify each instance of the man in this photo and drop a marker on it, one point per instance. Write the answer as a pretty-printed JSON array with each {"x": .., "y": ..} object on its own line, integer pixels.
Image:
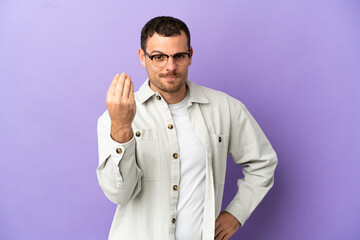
[{"x": 163, "y": 150}]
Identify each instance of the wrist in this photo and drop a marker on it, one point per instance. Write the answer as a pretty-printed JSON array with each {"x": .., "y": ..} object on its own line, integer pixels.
[
  {"x": 120, "y": 126},
  {"x": 121, "y": 134}
]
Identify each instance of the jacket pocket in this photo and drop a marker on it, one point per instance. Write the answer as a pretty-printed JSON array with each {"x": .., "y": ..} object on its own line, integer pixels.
[
  {"x": 219, "y": 149},
  {"x": 147, "y": 153}
]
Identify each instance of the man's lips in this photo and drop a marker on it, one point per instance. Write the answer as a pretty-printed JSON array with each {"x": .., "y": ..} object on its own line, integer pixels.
[{"x": 170, "y": 77}]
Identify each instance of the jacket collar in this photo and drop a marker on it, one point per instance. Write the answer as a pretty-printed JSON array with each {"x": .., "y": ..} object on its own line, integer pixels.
[{"x": 196, "y": 95}]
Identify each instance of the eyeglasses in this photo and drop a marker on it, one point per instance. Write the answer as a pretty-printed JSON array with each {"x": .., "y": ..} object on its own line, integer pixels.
[{"x": 160, "y": 60}]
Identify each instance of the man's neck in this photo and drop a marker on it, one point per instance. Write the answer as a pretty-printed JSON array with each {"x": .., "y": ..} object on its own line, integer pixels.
[{"x": 171, "y": 98}]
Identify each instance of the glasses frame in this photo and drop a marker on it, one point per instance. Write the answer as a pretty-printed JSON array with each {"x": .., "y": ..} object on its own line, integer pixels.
[{"x": 167, "y": 56}]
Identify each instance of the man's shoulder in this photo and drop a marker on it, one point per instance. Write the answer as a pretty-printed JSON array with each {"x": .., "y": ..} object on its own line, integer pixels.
[
  {"x": 214, "y": 95},
  {"x": 210, "y": 91}
]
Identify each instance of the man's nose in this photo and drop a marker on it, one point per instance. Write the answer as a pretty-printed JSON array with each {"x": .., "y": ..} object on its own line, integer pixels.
[{"x": 170, "y": 65}]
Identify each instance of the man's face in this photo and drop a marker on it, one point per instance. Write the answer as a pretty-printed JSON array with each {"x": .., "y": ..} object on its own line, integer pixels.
[{"x": 171, "y": 78}]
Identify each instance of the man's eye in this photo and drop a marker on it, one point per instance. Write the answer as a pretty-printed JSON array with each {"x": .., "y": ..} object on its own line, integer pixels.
[
  {"x": 179, "y": 56},
  {"x": 159, "y": 57}
]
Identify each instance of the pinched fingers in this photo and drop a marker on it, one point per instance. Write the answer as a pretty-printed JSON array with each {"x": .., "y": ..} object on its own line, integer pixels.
[
  {"x": 127, "y": 88},
  {"x": 120, "y": 100},
  {"x": 115, "y": 95},
  {"x": 111, "y": 90},
  {"x": 120, "y": 85},
  {"x": 132, "y": 95}
]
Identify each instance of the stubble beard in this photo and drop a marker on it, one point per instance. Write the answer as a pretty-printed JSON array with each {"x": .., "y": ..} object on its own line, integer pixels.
[{"x": 175, "y": 88}]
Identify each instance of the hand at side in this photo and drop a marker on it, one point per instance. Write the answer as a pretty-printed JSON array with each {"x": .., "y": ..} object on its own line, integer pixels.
[{"x": 225, "y": 226}]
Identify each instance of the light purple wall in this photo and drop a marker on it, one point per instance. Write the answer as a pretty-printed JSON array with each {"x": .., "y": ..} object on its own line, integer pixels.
[{"x": 295, "y": 64}]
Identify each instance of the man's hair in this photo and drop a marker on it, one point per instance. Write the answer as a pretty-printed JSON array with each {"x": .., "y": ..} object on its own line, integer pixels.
[{"x": 164, "y": 26}]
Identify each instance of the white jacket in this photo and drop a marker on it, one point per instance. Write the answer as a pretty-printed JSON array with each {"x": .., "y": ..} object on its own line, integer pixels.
[{"x": 139, "y": 175}]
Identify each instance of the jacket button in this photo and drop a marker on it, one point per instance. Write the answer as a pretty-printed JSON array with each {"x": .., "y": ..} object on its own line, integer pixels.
[
  {"x": 220, "y": 139},
  {"x": 173, "y": 220},
  {"x": 119, "y": 150},
  {"x": 138, "y": 134},
  {"x": 175, "y": 155},
  {"x": 175, "y": 187},
  {"x": 158, "y": 97},
  {"x": 170, "y": 126}
]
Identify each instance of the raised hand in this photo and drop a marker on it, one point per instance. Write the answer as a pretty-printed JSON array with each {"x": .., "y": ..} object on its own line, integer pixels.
[{"x": 120, "y": 102}]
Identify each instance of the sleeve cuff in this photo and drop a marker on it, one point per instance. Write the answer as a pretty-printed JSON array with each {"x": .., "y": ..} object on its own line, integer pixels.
[
  {"x": 121, "y": 150},
  {"x": 238, "y": 211}
]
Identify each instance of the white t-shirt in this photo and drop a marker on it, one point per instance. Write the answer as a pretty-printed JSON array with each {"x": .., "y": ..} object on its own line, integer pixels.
[{"x": 190, "y": 206}]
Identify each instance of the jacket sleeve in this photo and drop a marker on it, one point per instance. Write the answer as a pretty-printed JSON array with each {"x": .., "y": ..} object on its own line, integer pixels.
[
  {"x": 251, "y": 149},
  {"x": 118, "y": 174}
]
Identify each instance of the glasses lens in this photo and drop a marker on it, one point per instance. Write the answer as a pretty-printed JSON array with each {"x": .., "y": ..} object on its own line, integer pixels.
[
  {"x": 181, "y": 58},
  {"x": 160, "y": 60}
]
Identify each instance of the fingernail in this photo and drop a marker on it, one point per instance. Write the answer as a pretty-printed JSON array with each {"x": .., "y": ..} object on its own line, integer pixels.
[{"x": 117, "y": 75}]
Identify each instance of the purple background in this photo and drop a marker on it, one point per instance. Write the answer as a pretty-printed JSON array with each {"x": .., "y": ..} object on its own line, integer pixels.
[{"x": 294, "y": 64}]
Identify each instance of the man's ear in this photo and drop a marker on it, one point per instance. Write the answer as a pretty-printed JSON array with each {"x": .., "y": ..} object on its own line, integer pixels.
[
  {"x": 142, "y": 57},
  {"x": 192, "y": 52}
]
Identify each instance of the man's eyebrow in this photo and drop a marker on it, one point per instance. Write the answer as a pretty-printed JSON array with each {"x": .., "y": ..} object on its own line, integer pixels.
[
  {"x": 156, "y": 51},
  {"x": 160, "y": 52}
]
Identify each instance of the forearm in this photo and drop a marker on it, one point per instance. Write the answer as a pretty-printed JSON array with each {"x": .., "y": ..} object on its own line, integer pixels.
[
  {"x": 258, "y": 180},
  {"x": 120, "y": 180},
  {"x": 117, "y": 172}
]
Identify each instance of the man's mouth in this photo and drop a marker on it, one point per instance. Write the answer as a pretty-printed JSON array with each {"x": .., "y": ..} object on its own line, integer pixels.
[{"x": 170, "y": 77}]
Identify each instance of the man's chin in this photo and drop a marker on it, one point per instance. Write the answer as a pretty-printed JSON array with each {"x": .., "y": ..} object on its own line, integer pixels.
[{"x": 172, "y": 87}]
